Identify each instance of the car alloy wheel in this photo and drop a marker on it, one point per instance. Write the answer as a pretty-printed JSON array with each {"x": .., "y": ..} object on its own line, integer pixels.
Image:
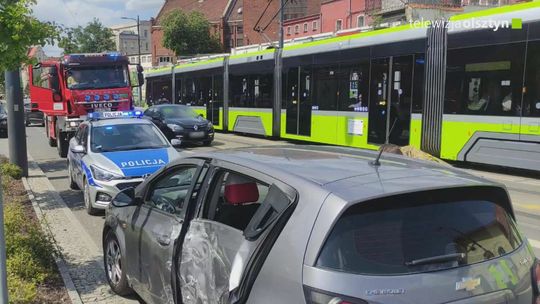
[
  {"x": 114, "y": 262},
  {"x": 72, "y": 184},
  {"x": 87, "y": 202}
]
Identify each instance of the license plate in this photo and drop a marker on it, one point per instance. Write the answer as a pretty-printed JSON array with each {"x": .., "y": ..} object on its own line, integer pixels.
[
  {"x": 103, "y": 110},
  {"x": 199, "y": 134}
]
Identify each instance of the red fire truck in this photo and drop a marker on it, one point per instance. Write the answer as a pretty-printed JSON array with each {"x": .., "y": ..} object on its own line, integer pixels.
[{"x": 67, "y": 90}]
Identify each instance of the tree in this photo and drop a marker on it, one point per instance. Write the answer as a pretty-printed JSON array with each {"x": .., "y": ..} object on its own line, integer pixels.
[
  {"x": 189, "y": 34},
  {"x": 93, "y": 38},
  {"x": 19, "y": 30}
]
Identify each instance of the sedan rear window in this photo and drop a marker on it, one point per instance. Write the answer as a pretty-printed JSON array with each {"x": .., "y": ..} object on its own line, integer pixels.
[{"x": 418, "y": 233}]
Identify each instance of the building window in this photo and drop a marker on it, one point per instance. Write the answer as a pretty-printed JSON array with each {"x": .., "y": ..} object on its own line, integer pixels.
[
  {"x": 339, "y": 25},
  {"x": 360, "y": 21},
  {"x": 296, "y": 29},
  {"x": 240, "y": 42},
  {"x": 305, "y": 27},
  {"x": 145, "y": 33},
  {"x": 239, "y": 30},
  {"x": 288, "y": 30},
  {"x": 164, "y": 59},
  {"x": 315, "y": 25}
]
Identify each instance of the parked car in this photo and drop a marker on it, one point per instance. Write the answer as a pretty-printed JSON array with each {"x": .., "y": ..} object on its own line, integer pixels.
[
  {"x": 32, "y": 114},
  {"x": 181, "y": 122},
  {"x": 316, "y": 225},
  {"x": 107, "y": 155},
  {"x": 3, "y": 121}
]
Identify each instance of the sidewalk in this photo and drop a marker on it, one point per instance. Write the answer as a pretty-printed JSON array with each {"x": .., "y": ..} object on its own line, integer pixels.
[{"x": 83, "y": 259}]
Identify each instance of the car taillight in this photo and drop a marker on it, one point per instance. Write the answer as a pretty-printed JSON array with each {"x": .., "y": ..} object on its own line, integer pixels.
[
  {"x": 315, "y": 296},
  {"x": 536, "y": 282}
]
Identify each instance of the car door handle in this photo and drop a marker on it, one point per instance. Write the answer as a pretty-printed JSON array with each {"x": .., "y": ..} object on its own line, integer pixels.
[{"x": 163, "y": 239}]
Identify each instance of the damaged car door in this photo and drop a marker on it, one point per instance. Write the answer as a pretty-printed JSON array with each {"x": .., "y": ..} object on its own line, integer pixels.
[
  {"x": 160, "y": 220},
  {"x": 238, "y": 212}
]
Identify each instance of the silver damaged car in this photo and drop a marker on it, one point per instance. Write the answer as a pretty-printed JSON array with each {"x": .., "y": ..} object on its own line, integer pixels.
[{"x": 316, "y": 225}]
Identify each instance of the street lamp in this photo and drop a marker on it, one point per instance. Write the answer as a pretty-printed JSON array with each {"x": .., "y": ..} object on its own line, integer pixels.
[{"x": 139, "y": 47}]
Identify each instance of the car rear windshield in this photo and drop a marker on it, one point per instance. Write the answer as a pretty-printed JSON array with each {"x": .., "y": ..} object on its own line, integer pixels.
[
  {"x": 178, "y": 112},
  {"x": 419, "y": 233}
]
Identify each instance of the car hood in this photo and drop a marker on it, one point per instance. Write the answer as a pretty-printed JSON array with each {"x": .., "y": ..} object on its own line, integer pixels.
[
  {"x": 187, "y": 122},
  {"x": 140, "y": 162}
]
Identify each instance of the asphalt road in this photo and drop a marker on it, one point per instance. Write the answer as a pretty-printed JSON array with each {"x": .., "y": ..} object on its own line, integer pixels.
[{"x": 524, "y": 188}]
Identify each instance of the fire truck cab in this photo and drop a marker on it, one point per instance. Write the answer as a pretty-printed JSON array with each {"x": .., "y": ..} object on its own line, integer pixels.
[{"x": 66, "y": 90}]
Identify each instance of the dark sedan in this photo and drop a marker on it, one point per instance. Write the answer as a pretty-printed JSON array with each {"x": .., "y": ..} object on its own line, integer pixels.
[
  {"x": 32, "y": 114},
  {"x": 181, "y": 122},
  {"x": 3, "y": 121}
]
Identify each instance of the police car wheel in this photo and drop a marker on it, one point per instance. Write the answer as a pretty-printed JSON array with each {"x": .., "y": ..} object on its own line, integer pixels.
[
  {"x": 87, "y": 203},
  {"x": 113, "y": 260},
  {"x": 72, "y": 184}
]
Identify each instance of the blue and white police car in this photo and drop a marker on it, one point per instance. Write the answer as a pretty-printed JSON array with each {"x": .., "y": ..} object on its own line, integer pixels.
[{"x": 112, "y": 151}]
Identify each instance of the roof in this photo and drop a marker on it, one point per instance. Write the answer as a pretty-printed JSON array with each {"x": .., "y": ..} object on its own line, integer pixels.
[
  {"x": 212, "y": 9},
  {"x": 346, "y": 171},
  {"x": 119, "y": 121}
]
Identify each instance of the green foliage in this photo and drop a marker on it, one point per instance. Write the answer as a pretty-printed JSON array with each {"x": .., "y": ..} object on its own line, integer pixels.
[
  {"x": 19, "y": 30},
  {"x": 21, "y": 291},
  {"x": 189, "y": 34},
  {"x": 10, "y": 170},
  {"x": 30, "y": 252},
  {"x": 93, "y": 38}
]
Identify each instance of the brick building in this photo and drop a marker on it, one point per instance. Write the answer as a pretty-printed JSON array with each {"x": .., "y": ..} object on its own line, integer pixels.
[
  {"x": 332, "y": 16},
  {"x": 234, "y": 21}
]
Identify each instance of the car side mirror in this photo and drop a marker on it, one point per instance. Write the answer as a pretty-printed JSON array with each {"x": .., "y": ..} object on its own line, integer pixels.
[
  {"x": 78, "y": 149},
  {"x": 175, "y": 142},
  {"x": 125, "y": 198}
]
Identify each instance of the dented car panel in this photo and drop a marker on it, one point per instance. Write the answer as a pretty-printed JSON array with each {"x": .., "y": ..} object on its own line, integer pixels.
[{"x": 298, "y": 224}]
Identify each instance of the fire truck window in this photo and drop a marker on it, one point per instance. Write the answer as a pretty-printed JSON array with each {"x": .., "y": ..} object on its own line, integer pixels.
[{"x": 42, "y": 77}]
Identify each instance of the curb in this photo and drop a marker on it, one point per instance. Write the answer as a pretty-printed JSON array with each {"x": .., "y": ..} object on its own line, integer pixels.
[{"x": 60, "y": 262}]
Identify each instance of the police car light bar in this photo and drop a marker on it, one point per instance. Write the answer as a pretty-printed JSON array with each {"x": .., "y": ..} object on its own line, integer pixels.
[{"x": 117, "y": 114}]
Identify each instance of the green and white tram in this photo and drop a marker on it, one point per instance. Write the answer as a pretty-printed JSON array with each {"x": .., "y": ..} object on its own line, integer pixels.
[{"x": 459, "y": 93}]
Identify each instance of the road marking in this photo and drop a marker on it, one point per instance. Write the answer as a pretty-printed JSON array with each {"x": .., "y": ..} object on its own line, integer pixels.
[
  {"x": 528, "y": 206},
  {"x": 534, "y": 243}
]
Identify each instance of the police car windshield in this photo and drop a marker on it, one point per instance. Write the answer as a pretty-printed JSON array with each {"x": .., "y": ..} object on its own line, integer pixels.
[
  {"x": 125, "y": 137},
  {"x": 178, "y": 112},
  {"x": 100, "y": 77}
]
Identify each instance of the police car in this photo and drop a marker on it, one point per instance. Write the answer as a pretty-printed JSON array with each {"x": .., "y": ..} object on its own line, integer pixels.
[{"x": 112, "y": 151}]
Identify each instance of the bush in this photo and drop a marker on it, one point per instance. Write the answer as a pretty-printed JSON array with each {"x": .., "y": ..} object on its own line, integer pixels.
[
  {"x": 10, "y": 170},
  {"x": 30, "y": 252},
  {"x": 21, "y": 291}
]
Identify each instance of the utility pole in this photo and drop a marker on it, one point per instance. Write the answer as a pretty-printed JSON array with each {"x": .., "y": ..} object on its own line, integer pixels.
[
  {"x": 139, "y": 48},
  {"x": 16, "y": 128},
  {"x": 276, "y": 123}
]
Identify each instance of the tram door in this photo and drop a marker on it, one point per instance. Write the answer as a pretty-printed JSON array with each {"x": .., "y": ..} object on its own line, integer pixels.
[
  {"x": 390, "y": 100},
  {"x": 298, "y": 98},
  {"x": 215, "y": 100}
]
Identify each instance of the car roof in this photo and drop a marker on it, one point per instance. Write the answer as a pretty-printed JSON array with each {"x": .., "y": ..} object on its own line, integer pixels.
[
  {"x": 118, "y": 121},
  {"x": 348, "y": 172}
]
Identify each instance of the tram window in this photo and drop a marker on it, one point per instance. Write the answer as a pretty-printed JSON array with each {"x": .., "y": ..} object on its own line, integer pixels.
[
  {"x": 204, "y": 91},
  {"x": 189, "y": 91},
  {"x": 326, "y": 88},
  {"x": 178, "y": 89},
  {"x": 217, "y": 90},
  {"x": 418, "y": 83},
  {"x": 485, "y": 80},
  {"x": 251, "y": 91},
  {"x": 531, "y": 103},
  {"x": 354, "y": 87}
]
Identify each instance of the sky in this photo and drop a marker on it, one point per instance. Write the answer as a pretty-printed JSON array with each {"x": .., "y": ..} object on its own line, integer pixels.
[{"x": 73, "y": 13}]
